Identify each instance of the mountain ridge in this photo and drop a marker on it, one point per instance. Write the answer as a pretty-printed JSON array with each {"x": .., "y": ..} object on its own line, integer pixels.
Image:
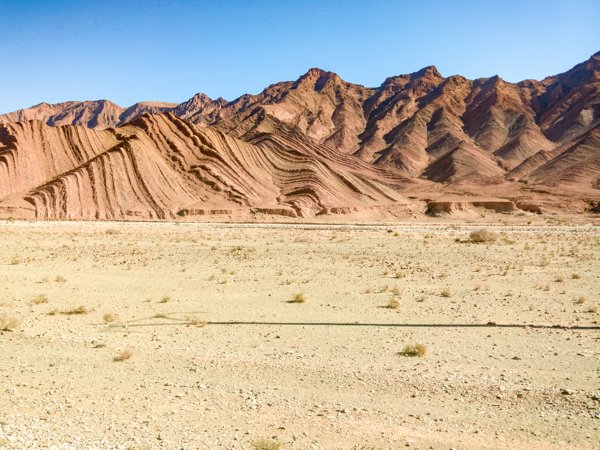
[{"x": 418, "y": 135}]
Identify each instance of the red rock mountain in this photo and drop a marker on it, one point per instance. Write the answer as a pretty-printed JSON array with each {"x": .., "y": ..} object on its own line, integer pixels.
[{"x": 317, "y": 145}]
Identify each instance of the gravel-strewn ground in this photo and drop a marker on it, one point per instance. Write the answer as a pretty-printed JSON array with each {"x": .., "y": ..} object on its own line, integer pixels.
[{"x": 326, "y": 373}]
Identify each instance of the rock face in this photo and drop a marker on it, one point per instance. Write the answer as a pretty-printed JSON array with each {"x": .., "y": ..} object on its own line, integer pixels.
[
  {"x": 317, "y": 145},
  {"x": 160, "y": 166}
]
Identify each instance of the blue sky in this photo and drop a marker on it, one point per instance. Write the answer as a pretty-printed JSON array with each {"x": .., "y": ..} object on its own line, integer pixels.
[{"x": 58, "y": 50}]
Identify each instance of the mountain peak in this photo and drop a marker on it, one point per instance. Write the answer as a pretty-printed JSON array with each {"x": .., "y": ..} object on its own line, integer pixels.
[
  {"x": 317, "y": 78},
  {"x": 427, "y": 72}
]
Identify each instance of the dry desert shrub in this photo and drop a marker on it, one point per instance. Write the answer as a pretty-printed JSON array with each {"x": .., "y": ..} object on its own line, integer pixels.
[
  {"x": 580, "y": 300},
  {"x": 592, "y": 309},
  {"x": 79, "y": 310},
  {"x": 8, "y": 323},
  {"x": 14, "y": 261},
  {"x": 60, "y": 279},
  {"x": 575, "y": 276},
  {"x": 109, "y": 317},
  {"x": 419, "y": 350},
  {"x": 482, "y": 236},
  {"x": 446, "y": 293},
  {"x": 195, "y": 321},
  {"x": 298, "y": 298},
  {"x": 123, "y": 356},
  {"x": 393, "y": 303},
  {"x": 39, "y": 299},
  {"x": 160, "y": 316},
  {"x": 266, "y": 444},
  {"x": 165, "y": 299}
]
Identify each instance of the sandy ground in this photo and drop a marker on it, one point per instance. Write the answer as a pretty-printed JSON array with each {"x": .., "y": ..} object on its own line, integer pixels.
[{"x": 326, "y": 373}]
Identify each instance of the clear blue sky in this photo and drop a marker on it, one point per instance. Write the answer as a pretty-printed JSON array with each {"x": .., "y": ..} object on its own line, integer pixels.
[{"x": 128, "y": 51}]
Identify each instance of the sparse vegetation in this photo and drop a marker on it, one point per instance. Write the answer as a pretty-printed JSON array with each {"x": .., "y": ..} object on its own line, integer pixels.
[
  {"x": 482, "y": 236},
  {"x": 8, "y": 323},
  {"x": 298, "y": 298},
  {"x": 446, "y": 293},
  {"x": 159, "y": 316},
  {"x": 393, "y": 303},
  {"x": 266, "y": 444},
  {"x": 165, "y": 299},
  {"x": 110, "y": 317},
  {"x": 575, "y": 276},
  {"x": 195, "y": 321},
  {"x": 79, "y": 310},
  {"x": 60, "y": 279},
  {"x": 419, "y": 350},
  {"x": 592, "y": 310},
  {"x": 39, "y": 299}
]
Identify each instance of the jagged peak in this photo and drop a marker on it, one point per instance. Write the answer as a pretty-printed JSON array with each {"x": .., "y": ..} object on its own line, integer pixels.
[
  {"x": 316, "y": 78},
  {"x": 427, "y": 72},
  {"x": 199, "y": 100},
  {"x": 315, "y": 72},
  {"x": 201, "y": 97}
]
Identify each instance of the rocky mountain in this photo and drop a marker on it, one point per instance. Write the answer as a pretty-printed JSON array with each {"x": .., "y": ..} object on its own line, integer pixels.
[{"x": 317, "y": 145}]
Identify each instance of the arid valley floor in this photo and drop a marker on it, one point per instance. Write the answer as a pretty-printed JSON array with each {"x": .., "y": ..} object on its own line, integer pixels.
[{"x": 147, "y": 335}]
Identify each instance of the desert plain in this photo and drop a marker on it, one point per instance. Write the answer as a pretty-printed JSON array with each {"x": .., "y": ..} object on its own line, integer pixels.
[{"x": 187, "y": 335}]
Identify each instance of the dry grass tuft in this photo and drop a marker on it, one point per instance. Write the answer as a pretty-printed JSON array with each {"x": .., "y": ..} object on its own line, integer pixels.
[
  {"x": 39, "y": 299},
  {"x": 592, "y": 310},
  {"x": 160, "y": 316},
  {"x": 446, "y": 293},
  {"x": 165, "y": 299},
  {"x": 123, "y": 356},
  {"x": 110, "y": 317},
  {"x": 575, "y": 276},
  {"x": 482, "y": 236},
  {"x": 194, "y": 321},
  {"x": 393, "y": 303},
  {"x": 419, "y": 350},
  {"x": 266, "y": 444},
  {"x": 79, "y": 310},
  {"x": 60, "y": 279},
  {"x": 580, "y": 300},
  {"x": 298, "y": 298},
  {"x": 8, "y": 323}
]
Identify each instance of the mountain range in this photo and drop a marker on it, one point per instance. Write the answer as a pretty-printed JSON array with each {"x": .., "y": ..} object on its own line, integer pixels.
[{"x": 419, "y": 143}]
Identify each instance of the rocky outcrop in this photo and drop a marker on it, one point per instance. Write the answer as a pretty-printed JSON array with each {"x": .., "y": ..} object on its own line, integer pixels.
[{"x": 160, "y": 167}]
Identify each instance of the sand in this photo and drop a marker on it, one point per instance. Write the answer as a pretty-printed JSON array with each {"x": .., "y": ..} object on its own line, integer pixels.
[{"x": 219, "y": 357}]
